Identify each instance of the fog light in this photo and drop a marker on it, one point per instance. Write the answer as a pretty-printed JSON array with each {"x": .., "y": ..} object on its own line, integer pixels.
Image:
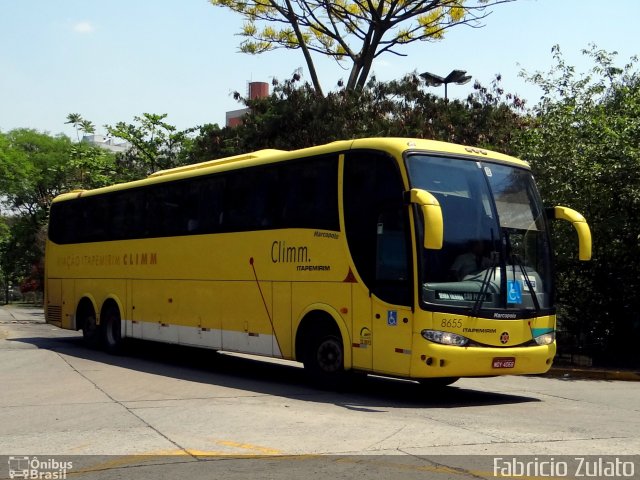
[{"x": 445, "y": 338}]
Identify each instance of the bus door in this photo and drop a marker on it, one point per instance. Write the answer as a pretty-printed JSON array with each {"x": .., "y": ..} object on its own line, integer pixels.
[
  {"x": 390, "y": 297},
  {"x": 376, "y": 226}
]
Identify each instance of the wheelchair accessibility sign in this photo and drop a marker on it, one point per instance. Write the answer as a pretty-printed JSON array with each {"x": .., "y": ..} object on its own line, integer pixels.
[
  {"x": 392, "y": 318},
  {"x": 514, "y": 292}
]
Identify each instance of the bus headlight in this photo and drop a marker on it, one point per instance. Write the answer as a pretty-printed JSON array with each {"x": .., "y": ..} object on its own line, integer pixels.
[
  {"x": 546, "y": 338},
  {"x": 445, "y": 338}
]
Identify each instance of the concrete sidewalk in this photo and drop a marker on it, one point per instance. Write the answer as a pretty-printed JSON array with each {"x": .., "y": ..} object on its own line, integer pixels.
[
  {"x": 27, "y": 313},
  {"x": 21, "y": 312}
]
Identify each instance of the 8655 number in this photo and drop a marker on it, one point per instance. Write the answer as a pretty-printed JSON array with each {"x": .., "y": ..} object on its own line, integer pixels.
[{"x": 451, "y": 323}]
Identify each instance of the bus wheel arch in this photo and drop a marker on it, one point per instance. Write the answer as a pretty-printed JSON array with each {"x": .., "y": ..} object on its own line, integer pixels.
[
  {"x": 111, "y": 325},
  {"x": 322, "y": 345}
]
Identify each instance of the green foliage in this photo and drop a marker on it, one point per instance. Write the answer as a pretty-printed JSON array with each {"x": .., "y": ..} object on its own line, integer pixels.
[
  {"x": 155, "y": 144},
  {"x": 584, "y": 149},
  {"x": 90, "y": 167},
  {"x": 6, "y": 267},
  {"x": 34, "y": 168},
  {"x": 80, "y": 124},
  {"x": 211, "y": 142},
  {"x": 295, "y": 116}
]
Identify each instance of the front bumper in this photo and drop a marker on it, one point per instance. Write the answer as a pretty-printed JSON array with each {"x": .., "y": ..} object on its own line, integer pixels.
[{"x": 435, "y": 360}]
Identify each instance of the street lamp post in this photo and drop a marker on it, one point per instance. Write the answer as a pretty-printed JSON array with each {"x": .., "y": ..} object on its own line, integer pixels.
[{"x": 459, "y": 77}]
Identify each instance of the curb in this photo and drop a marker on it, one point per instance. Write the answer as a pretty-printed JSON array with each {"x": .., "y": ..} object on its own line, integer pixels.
[{"x": 594, "y": 374}]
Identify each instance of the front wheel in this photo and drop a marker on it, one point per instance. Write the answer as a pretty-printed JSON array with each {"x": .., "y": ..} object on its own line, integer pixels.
[{"x": 324, "y": 359}]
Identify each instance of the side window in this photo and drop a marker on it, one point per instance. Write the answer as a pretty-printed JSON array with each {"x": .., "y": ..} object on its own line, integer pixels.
[
  {"x": 310, "y": 196},
  {"x": 207, "y": 194},
  {"x": 126, "y": 217},
  {"x": 376, "y": 224},
  {"x": 296, "y": 194},
  {"x": 166, "y": 201},
  {"x": 250, "y": 200},
  {"x": 94, "y": 219},
  {"x": 62, "y": 223}
]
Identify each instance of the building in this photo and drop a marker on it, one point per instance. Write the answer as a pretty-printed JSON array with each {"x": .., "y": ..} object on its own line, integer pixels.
[
  {"x": 255, "y": 90},
  {"x": 107, "y": 143}
]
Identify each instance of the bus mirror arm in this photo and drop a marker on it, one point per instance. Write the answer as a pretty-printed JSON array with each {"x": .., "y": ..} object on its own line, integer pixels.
[
  {"x": 579, "y": 223},
  {"x": 432, "y": 213}
]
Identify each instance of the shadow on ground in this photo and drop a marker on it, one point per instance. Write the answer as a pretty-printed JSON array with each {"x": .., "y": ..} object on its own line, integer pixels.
[{"x": 360, "y": 392}]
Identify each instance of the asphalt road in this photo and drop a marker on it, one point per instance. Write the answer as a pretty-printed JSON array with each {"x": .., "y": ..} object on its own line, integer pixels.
[{"x": 193, "y": 413}]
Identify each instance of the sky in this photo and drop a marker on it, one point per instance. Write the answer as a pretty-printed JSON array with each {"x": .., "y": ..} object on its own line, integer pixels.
[{"x": 113, "y": 60}]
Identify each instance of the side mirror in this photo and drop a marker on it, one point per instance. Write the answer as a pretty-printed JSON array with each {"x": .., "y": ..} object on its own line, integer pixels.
[
  {"x": 579, "y": 223},
  {"x": 432, "y": 213}
]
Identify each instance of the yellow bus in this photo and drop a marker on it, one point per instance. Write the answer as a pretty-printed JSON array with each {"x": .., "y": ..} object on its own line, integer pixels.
[{"x": 401, "y": 257}]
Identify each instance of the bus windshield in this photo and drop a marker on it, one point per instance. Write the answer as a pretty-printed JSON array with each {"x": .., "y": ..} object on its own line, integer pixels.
[{"x": 496, "y": 252}]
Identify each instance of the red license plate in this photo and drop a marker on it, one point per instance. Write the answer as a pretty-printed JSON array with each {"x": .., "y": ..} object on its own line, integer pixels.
[{"x": 504, "y": 362}]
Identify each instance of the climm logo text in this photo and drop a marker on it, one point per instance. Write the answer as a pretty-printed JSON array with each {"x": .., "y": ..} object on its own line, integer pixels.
[{"x": 283, "y": 253}]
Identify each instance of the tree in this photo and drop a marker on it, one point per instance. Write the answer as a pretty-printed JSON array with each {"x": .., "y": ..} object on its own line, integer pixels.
[
  {"x": 583, "y": 148},
  {"x": 354, "y": 32},
  {"x": 5, "y": 264},
  {"x": 90, "y": 166},
  {"x": 155, "y": 144},
  {"x": 75, "y": 119},
  {"x": 212, "y": 142},
  {"x": 80, "y": 124},
  {"x": 87, "y": 126},
  {"x": 34, "y": 168},
  {"x": 294, "y": 116}
]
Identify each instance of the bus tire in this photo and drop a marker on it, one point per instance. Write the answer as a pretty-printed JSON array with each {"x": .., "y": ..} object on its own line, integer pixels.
[
  {"x": 90, "y": 330},
  {"x": 324, "y": 358},
  {"x": 437, "y": 382},
  {"x": 112, "y": 340}
]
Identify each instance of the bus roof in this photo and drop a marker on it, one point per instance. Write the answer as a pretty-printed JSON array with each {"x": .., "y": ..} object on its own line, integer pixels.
[
  {"x": 396, "y": 146},
  {"x": 399, "y": 146}
]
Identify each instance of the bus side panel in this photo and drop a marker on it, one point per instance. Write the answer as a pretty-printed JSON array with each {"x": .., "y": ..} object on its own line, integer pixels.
[
  {"x": 245, "y": 312},
  {"x": 69, "y": 304},
  {"x": 155, "y": 305},
  {"x": 220, "y": 315},
  {"x": 197, "y": 318},
  {"x": 54, "y": 301},
  {"x": 282, "y": 318},
  {"x": 362, "y": 329},
  {"x": 175, "y": 311}
]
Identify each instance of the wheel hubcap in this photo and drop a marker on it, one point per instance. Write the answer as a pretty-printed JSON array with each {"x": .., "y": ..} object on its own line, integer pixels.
[{"x": 330, "y": 356}]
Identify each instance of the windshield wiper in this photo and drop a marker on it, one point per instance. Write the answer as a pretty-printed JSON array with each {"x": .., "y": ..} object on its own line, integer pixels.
[
  {"x": 483, "y": 290},
  {"x": 484, "y": 287},
  {"x": 517, "y": 261}
]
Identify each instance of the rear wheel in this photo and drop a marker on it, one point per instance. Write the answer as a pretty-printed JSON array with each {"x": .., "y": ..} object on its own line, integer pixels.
[
  {"x": 90, "y": 330},
  {"x": 111, "y": 330}
]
